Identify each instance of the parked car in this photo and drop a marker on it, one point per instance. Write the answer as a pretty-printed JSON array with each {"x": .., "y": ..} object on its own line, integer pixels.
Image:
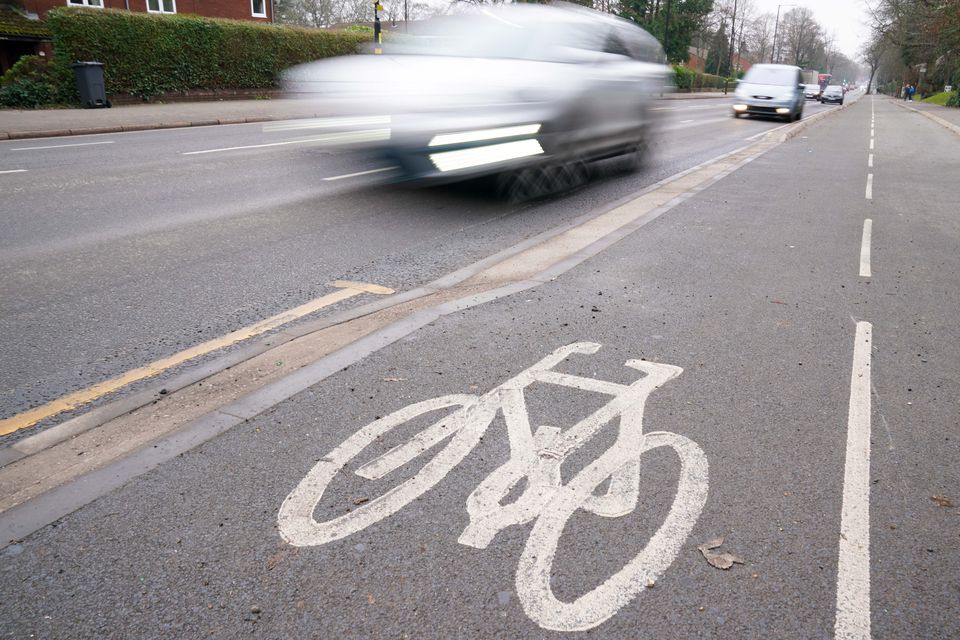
[
  {"x": 811, "y": 91},
  {"x": 770, "y": 90},
  {"x": 833, "y": 94},
  {"x": 515, "y": 90}
]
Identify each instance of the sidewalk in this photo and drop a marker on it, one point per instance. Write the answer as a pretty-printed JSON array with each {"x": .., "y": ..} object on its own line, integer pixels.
[
  {"x": 946, "y": 116},
  {"x": 42, "y": 123}
]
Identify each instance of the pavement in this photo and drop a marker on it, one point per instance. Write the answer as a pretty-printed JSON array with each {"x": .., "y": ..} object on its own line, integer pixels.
[
  {"x": 39, "y": 123},
  {"x": 807, "y": 424},
  {"x": 949, "y": 117}
]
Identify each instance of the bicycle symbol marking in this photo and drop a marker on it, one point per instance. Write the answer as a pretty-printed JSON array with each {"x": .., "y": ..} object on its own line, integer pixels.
[{"x": 535, "y": 456}]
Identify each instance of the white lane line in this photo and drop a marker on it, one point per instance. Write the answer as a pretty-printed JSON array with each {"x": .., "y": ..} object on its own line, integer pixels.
[
  {"x": 853, "y": 566},
  {"x": 871, "y": 144},
  {"x": 341, "y": 137},
  {"x": 763, "y": 133},
  {"x": 359, "y": 173},
  {"x": 60, "y": 146},
  {"x": 14, "y": 171},
  {"x": 249, "y": 146},
  {"x": 865, "y": 248},
  {"x": 699, "y": 123},
  {"x": 869, "y": 191},
  {"x": 871, "y": 132},
  {"x": 870, "y": 161}
]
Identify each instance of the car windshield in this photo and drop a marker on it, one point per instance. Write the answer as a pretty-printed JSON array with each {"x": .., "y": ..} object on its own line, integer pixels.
[
  {"x": 834, "y": 88},
  {"x": 770, "y": 75}
]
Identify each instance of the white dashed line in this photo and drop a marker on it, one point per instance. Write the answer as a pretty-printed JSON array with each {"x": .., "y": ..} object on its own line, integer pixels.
[
  {"x": 865, "y": 249},
  {"x": 870, "y": 161},
  {"x": 869, "y": 191},
  {"x": 853, "y": 566},
  {"x": 871, "y": 144},
  {"x": 14, "y": 171},
  {"x": 358, "y": 173},
  {"x": 344, "y": 137},
  {"x": 60, "y": 146}
]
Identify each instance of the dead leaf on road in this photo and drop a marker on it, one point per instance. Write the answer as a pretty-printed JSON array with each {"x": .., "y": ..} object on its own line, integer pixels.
[
  {"x": 943, "y": 501},
  {"x": 394, "y": 379},
  {"x": 723, "y": 560}
]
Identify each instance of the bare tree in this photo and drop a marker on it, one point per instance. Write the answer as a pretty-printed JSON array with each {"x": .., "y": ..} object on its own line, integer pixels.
[
  {"x": 801, "y": 36},
  {"x": 759, "y": 37}
]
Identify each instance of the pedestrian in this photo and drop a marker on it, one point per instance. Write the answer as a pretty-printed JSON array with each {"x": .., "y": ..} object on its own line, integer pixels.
[
  {"x": 912, "y": 89},
  {"x": 903, "y": 92}
]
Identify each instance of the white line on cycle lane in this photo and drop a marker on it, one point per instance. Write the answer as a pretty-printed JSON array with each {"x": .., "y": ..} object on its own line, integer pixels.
[{"x": 853, "y": 567}]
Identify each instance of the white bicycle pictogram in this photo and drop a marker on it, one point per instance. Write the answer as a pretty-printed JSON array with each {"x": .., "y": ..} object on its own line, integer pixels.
[{"x": 535, "y": 456}]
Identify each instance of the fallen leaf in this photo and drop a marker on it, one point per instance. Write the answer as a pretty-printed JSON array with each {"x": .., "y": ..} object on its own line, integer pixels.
[
  {"x": 943, "y": 501},
  {"x": 723, "y": 560},
  {"x": 359, "y": 501},
  {"x": 778, "y": 302},
  {"x": 394, "y": 379}
]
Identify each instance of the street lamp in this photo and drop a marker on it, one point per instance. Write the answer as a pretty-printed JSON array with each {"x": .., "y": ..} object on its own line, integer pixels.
[{"x": 776, "y": 26}]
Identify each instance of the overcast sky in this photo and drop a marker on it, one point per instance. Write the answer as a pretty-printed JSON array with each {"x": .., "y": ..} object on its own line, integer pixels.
[{"x": 846, "y": 20}]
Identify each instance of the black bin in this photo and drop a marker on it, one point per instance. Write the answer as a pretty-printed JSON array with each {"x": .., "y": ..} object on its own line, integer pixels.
[{"x": 89, "y": 76}]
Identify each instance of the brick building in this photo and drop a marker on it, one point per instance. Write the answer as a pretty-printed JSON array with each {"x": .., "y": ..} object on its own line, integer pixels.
[
  {"x": 22, "y": 31},
  {"x": 258, "y": 10}
]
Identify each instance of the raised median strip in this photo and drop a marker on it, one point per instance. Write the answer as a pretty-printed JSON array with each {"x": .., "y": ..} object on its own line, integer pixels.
[{"x": 130, "y": 437}]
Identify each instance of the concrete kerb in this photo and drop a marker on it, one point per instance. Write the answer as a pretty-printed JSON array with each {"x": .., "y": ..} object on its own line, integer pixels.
[
  {"x": 101, "y": 415},
  {"x": 944, "y": 123},
  {"x": 177, "y": 124},
  {"x": 181, "y": 124}
]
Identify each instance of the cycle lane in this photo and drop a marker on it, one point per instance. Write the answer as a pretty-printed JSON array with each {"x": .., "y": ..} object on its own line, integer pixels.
[
  {"x": 752, "y": 305},
  {"x": 916, "y": 443}
]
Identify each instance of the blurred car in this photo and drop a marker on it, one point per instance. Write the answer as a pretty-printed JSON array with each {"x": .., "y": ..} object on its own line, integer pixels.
[
  {"x": 530, "y": 92},
  {"x": 770, "y": 90},
  {"x": 811, "y": 91},
  {"x": 833, "y": 94}
]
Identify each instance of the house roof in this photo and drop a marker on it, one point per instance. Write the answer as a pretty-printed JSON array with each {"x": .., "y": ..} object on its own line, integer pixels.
[{"x": 15, "y": 24}]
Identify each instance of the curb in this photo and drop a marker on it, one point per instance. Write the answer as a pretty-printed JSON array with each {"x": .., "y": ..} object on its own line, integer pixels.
[
  {"x": 943, "y": 123},
  {"x": 175, "y": 124},
  {"x": 183, "y": 124}
]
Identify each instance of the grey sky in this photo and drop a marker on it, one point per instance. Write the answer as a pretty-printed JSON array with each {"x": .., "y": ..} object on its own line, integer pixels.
[{"x": 846, "y": 20}]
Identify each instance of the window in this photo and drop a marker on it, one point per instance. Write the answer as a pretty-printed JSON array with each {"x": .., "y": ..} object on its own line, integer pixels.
[
  {"x": 85, "y": 3},
  {"x": 259, "y": 8},
  {"x": 162, "y": 6}
]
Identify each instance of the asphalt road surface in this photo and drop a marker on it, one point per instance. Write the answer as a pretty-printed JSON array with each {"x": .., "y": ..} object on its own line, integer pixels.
[
  {"x": 768, "y": 354},
  {"x": 124, "y": 250}
]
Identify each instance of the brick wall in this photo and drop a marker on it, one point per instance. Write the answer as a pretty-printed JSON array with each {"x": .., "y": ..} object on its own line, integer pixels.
[{"x": 234, "y": 9}]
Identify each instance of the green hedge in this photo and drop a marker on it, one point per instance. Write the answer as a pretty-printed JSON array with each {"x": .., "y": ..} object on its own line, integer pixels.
[
  {"x": 690, "y": 80},
  {"x": 147, "y": 55}
]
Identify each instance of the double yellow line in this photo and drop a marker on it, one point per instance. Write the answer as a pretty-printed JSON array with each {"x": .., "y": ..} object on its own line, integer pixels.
[{"x": 346, "y": 289}]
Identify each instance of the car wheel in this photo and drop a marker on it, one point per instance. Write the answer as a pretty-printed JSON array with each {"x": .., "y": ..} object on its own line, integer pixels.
[
  {"x": 799, "y": 115},
  {"x": 737, "y": 114}
]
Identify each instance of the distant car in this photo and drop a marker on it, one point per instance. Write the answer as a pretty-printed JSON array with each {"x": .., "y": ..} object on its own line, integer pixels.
[
  {"x": 770, "y": 90},
  {"x": 832, "y": 94},
  {"x": 811, "y": 91},
  {"x": 515, "y": 91}
]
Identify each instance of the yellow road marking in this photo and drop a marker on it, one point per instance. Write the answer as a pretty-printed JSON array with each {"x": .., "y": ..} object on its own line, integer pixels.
[{"x": 347, "y": 289}]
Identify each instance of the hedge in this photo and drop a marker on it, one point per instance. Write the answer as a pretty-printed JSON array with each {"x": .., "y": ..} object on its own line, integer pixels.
[
  {"x": 690, "y": 80},
  {"x": 146, "y": 55}
]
